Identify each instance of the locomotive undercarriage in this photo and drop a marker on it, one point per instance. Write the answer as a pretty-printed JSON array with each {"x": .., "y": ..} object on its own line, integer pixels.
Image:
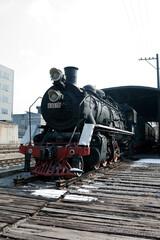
[{"x": 93, "y": 148}]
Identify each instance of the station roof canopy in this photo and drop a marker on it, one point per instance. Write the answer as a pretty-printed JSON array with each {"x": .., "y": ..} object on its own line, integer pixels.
[{"x": 143, "y": 99}]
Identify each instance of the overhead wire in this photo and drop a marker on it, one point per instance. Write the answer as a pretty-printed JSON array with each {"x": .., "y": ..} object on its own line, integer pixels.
[
  {"x": 149, "y": 26},
  {"x": 138, "y": 26},
  {"x": 138, "y": 20},
  {"x": 145, "y": 25},
  {"x": 130, "y": 21}
]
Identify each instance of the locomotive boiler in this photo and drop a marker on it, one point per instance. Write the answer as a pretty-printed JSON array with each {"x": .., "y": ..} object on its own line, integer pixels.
[{"x": 84, "y": 129}]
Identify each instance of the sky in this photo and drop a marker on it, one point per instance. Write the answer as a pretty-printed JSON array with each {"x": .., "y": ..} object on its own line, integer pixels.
[{"x": 103, "y": 38}]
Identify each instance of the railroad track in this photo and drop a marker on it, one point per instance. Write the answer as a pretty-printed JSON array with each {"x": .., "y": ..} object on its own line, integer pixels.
[
  {"x": 62, "y": 183},
  {"x": 10, "y": 157},
  {"x": 13, "y": 161},
  {"x": 9, "y": 150},
  {"x": 8, "y": 162}
]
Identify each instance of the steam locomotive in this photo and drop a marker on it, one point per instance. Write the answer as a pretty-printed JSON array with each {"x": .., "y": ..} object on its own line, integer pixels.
[{"x": 84, "y": 129}]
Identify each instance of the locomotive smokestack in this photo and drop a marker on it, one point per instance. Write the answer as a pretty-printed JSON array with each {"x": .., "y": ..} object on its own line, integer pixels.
[{"x": 71, "y": 74}]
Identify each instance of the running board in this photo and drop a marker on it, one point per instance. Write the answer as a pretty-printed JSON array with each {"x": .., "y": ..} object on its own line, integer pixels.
[
  {"x": 115, "y": 130},
  {"x": 88, "y": 129}
]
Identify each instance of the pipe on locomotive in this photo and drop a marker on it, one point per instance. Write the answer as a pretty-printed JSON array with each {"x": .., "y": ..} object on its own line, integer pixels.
[{"x": 71, "y": 75}]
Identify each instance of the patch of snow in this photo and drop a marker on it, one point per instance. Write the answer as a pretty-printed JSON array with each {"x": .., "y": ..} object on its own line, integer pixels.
[
  {"x": 148, "y": 160},
  {"x": 49, "y": 193},
  {"x": 83, "y": 190},
  {"x": 80, "y": 198}
]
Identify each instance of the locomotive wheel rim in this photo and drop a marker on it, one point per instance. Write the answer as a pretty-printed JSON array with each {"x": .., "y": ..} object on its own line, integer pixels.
[
  {"x": 116, "y": 153},
  {"x": 115, "y": 157},
  {"x": 104, "y": 163},
  {"x": 81, "y": 167},
  {"x": 96, "y": 167}
]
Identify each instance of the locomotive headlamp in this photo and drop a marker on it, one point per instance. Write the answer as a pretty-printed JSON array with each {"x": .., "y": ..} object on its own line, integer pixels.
[
  {"x": 56, "y": 74},
  {"x": 54, "y": 96}
]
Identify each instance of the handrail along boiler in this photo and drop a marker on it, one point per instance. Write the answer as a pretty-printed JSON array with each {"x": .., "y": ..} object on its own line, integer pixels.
[{"x": 84, "y": 128}]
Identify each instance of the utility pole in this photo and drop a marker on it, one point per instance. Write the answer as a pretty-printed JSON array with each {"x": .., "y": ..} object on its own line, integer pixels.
[
  {"x": 157, "y": 60},
  {"x": 157, "y": 68},
  {"x": 158, "y": 86}
]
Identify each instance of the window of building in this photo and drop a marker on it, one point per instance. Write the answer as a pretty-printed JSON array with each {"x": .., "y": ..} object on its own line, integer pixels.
[
  {"x": 23, "y": 122},
  {"x": 5, "y": 87},
  {"x": 4, "y": 75},
  {"x": 4, "y": 111},
  {"x": 4, "y": 99}
]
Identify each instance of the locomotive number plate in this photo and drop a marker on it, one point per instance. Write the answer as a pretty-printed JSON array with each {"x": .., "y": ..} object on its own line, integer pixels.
[{"x": 54, "y": 105}]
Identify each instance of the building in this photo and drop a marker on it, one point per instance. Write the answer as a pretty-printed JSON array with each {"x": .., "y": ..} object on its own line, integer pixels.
[
  {"x": 8, "y": 134},
  {"x": 6, "y": 93},
  {"x": 23, "y": 122}
]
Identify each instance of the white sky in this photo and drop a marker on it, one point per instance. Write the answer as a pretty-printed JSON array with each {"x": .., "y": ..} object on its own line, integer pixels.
[{"x": 103, "y": 38}]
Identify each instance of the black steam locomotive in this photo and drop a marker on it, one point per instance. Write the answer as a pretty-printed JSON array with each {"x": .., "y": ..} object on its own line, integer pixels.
[{"x": 84, "y": 129}]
